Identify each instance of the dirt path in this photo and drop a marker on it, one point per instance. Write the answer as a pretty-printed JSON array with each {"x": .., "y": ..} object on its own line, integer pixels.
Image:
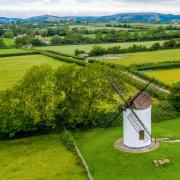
[{"x": 152, "y": 85}]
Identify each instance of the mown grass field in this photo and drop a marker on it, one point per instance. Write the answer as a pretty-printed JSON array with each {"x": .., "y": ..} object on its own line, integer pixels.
[
  {"x": 148, "y": 57},
  {"x": 39, "y": 157},
  {"x": 87, "y": 47},
  {"x": 13, "y": 68},
  {"x": 108, "y": 163},
  {"x": 8, "y": 41},
  {"x": 11, "y": 51},
  {"x": 168, "y": 76}
]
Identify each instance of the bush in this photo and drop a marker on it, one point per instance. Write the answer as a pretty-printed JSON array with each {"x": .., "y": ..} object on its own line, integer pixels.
[
  {"x": 68, "y": 142},
  {"x": 163, "y": 111},
  {"x": 175, "y": 96},
  {"x": 2, "y": 44}
]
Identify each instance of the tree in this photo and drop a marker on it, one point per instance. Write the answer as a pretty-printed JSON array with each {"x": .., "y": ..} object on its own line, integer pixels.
[
  {"x": 56, "y": 40},
  {"x": 30, "y": 104},
  {"x": 22, "y": 41},
  {"x": 155, "y": 46},
  {"x": 2, "y": 44},
  {"x": 97, "y": 51},
  {"x": 175, "y": 96},
  {"x": 37, "y": 42},
  {"x": 80, "y": 91},
  {"x": 9, "y": 34}
]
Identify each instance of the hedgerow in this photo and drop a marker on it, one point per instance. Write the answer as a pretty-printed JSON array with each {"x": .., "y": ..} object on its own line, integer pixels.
[
  {"x": 20, "y": 54},
  {"x": 63, "y": 58}
]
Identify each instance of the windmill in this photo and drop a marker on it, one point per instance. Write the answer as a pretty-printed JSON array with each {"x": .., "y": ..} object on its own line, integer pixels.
[{"x": 136, "y": 114}]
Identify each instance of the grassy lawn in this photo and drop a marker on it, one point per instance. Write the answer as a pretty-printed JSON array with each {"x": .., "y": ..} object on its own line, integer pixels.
[
  {"x": 87, "y": 47},
  {"x": 168, "y": 76},
  {"x": 108, "y": 163},
  {"x": 39, "y": 157},
  {"x": 11, "y": 51},
  {"x": 148, "y": 57},
  {"x": 8, "y": 41},
  {"x": 13, "y": 68}
]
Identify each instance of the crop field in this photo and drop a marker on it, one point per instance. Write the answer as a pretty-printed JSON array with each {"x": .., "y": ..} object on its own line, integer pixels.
[
  {"x": 87, "y": 47},
  {"x": 38, "y": 157},
  {"x": 148, "y": 57},
  {"x": 9, "y": 41},
  {"x": 13, "y": 68},
  {"x": 168, "y": 76},
  {"x": 11, "y": 51},
  {"x": 108, "y": 163}
]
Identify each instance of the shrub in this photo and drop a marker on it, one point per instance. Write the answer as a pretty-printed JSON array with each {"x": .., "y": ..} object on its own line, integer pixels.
[
  {"x": 163, "y": 111},
  {"x": 175, "y": 96}
]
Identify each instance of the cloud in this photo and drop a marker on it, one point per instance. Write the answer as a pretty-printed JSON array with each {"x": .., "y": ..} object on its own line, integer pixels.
[{"x": 26, "y": 8}]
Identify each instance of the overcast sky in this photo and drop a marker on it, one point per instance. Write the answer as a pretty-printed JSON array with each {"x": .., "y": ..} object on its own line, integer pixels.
[{"x": 27, "y": 8}]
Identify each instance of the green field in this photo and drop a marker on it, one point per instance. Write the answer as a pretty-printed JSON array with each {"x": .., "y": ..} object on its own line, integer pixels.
[
  {"x": 9, "y": 41},
  {"x": 11, "y": 51},
  {"x": 38, "y": 157},
  {"x": 148, "y": 57},
  {"x": 168, "y": 76},
  {"x": 87, "y": 47},
  {"x": 13, "y": 68},
  {"x": 108, "y": 163}
]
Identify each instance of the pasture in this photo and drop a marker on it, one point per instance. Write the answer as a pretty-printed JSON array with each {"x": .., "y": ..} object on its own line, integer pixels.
[
  {"x": 38, "y": 157},
  {"x": 13, "y": 68},
  {"x": 87, "y": 47},
  {"x": 8, "y": 41},
  {"x": 168, "y": 76},
  {"x": 11, "y": 51},
  {"x": 108, "y": 163},
  {"x": 148, "y": 57}
]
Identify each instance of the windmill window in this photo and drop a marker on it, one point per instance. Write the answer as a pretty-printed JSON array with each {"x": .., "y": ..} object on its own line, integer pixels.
[{"x": 141, "y": 135}]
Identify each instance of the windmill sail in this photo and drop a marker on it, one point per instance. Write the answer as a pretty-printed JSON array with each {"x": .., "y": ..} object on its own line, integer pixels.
[{"x": 132, "y": 116}]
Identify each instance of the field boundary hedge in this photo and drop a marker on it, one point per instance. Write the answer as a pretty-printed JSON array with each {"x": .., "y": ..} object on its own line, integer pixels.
[
  {"x": 64, "y": 54},
  {"x": 71, "y": 145},
  {"x": 63, "y": 58},
  {"x": 19, "y": 54},
  {"x": 153, "y": 66}
]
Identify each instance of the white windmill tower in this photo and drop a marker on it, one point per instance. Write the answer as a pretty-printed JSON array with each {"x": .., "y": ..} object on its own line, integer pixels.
[{"x": 136, "y": 116}]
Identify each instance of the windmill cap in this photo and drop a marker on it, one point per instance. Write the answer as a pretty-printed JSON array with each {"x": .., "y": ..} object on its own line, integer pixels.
[{"x": 140, "y": 101}]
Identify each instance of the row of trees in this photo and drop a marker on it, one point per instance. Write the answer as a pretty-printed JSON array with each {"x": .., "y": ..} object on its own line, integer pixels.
[
  {"x": 99, "y": 50},
  {"x": 70, "y": 96},
  {"x": 47, "y": 99}
]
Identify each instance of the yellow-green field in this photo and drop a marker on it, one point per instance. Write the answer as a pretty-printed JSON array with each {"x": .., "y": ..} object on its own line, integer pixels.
[
  {"x": 11, "y": 51},
  {"x": 168, "y": 76},
  {"x": 9, "y": 41},
  {"x": 39, "y": 157},
  {"x": 87, "y": 47},
  {"x": 13, "y": 68},
  {"x": 148, "y": 57}
]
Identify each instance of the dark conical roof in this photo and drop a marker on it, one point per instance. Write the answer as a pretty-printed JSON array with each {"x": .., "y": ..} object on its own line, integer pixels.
[{"x": 142, "y": 101}]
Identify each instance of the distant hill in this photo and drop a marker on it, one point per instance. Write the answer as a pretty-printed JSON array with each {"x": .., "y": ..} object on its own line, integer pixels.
[{"x": 146, "y": 17}]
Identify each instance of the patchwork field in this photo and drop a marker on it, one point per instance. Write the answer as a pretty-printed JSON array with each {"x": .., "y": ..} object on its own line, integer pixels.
[
  {"x": 108, "y": 163},
  {"x": 148, "y": 57},
  {"x": 11, "y": 51},
  {"x": 87, "y": 47},
  {"x": 39, "y": 157},
  {"x": 13, "y": 68},
  {"x": 168, "y": 76}
]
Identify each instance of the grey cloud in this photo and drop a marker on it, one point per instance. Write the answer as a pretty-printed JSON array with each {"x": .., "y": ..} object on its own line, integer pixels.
[{"x": 26, "y": 8}]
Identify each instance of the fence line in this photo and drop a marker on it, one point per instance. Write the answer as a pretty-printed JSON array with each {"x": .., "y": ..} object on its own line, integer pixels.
[{"x": 80, "y": 156}]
